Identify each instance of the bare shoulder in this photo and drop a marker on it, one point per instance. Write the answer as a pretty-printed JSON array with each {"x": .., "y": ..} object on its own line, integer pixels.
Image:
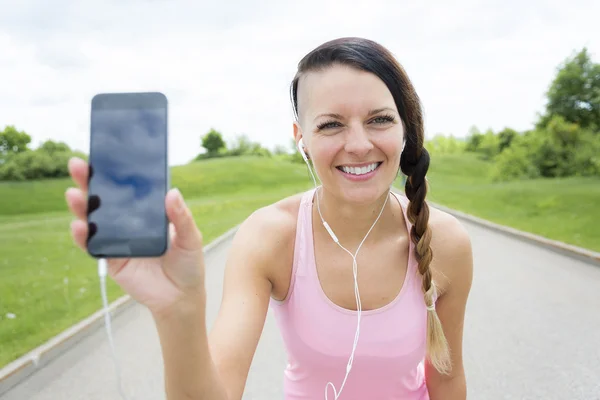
[
  {"x": 267, "y": 235},
  {"x": 452, "y": 250}
]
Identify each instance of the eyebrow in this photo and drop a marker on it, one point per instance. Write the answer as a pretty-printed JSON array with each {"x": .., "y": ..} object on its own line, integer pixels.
[{"x": 372, "y": 112}]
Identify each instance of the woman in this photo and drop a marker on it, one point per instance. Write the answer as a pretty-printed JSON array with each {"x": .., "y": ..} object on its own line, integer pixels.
[{"x": 395, "y": 335}]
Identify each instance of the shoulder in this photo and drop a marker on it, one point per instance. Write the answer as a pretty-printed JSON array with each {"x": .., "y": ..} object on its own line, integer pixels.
[
  {"x": 267, "y": 234},
  {"x": 452, "y": 250}
]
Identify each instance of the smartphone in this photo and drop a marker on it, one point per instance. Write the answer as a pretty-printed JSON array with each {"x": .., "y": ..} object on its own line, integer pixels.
[{"x": 128, "y": 176}]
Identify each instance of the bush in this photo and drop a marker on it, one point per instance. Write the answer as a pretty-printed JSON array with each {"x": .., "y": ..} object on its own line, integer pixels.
[
  {"x": 516, "y": 162},
  {"x": 37, "y": 164},
  {"x": 560, "y": 149},
  {"x": 489, "y": 146},
  {"x": 473, "y": 139},
  {"x": 441, "y": 144}
]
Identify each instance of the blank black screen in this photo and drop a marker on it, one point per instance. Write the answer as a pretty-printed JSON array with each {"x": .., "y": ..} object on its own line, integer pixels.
[{"x": 129, "y": 177}]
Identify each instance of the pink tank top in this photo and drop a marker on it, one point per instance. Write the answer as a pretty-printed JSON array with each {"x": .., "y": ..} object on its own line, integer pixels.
[{"x": 319, "y": 335}]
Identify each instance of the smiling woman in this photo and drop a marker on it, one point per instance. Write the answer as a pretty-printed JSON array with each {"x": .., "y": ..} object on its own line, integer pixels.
[{"x": 382, "y": 320}]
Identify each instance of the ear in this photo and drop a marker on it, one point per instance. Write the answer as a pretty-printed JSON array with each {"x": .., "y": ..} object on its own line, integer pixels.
[
  {"x": 299, "y": 142},
  {"x": 297, "y": 132}
]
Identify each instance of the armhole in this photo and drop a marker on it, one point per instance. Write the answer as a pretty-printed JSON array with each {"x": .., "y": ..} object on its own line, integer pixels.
[{"x": 296, "y": 255}]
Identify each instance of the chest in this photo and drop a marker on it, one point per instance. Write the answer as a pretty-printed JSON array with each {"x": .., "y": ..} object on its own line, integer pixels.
[{"x": 381, "y": 270}]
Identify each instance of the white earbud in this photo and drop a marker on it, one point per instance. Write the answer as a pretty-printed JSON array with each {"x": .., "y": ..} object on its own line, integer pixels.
[{"x": 301, "y": 150}]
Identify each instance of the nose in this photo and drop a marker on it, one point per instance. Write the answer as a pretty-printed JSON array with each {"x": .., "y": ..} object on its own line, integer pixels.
[{"x": 358, "y": 142}]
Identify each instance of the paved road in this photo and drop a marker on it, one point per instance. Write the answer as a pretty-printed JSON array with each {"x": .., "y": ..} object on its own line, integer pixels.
[{"x": 532, "y": 332}]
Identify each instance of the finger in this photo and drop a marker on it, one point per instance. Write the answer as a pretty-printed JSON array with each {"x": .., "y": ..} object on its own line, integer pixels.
[
  {"x": 79, "y": 171},
  {"x": 77, "y": 202},
  {"x": 187, "y": 234},
  {"x": 79, "y": 232}
]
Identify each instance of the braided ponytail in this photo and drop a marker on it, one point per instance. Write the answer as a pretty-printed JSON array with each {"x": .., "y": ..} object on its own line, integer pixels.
[{"x": 420, "y": 234}]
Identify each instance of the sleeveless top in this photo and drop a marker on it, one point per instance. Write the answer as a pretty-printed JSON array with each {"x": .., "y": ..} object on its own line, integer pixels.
[{"x": 319, "y": 335}]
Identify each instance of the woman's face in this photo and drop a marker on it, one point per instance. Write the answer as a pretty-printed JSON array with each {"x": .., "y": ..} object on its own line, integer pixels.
[{"x": 351, "y": 129}]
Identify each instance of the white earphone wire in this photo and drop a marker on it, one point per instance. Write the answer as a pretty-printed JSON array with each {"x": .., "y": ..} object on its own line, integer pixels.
[{"x": 354, "y": 269}]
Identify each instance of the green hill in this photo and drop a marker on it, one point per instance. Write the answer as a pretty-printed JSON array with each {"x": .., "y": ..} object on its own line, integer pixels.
[{"x": 564, "y": 209}]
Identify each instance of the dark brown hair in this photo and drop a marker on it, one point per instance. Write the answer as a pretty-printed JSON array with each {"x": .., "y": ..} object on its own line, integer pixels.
[{"x": 367, "y": 55}]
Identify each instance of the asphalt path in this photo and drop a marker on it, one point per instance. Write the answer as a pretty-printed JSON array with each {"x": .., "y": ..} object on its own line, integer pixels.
[{"x": 532, "y": 331}]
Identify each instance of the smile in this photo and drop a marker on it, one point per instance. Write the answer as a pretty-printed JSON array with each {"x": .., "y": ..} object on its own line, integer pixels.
[{"x": 359, "y": 170}]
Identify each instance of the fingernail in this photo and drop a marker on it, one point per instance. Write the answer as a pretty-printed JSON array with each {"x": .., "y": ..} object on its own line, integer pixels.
[{"x": 179, "y": 201}]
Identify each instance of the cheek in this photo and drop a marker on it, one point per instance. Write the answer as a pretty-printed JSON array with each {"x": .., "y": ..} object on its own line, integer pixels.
[
  {"x": 326, "y": 150},
  {"x": 391, "y": 146}
]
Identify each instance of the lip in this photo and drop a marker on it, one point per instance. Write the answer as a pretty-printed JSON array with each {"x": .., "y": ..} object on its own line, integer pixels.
[
  {"x": 365, "y": 164},
  {"x": 360, "y": 178}
]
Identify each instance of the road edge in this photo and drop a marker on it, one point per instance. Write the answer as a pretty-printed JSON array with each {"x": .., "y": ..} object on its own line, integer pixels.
[{"x": 17, "y": 371}]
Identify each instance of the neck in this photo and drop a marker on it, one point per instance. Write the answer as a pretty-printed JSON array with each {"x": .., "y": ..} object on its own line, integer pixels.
[{"x": 351, "y": 222}]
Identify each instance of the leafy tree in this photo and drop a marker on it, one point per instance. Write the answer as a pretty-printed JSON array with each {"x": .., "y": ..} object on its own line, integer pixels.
[
  {"x": 441, "y": 144},
  {"x": 574, "y": 94},
  {"x": 242, "y": 145},
  {"x": 505, "y": 138},
  {"x": 560, "y": 149},
  {"x": 473, "y": 139},
  {"x": 13, "y": 142},
  {"x": 51, "y": 147},
  {"x": 489, "y": 145},
  {"x": 213, "y": 142}
]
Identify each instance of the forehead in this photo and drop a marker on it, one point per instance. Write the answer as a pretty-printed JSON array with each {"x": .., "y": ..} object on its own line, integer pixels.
[{"x": 342, "y": 90}]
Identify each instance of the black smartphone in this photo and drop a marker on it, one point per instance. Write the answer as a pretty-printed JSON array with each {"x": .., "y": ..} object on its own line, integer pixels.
[{"x": 128, "y": 176}]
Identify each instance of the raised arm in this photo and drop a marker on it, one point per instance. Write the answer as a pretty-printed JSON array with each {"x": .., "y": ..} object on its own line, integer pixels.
[{"x": 216, "y": 365}]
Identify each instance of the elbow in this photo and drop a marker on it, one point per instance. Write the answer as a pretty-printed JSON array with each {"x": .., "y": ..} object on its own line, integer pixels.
[{"x": 448, "y": 387}]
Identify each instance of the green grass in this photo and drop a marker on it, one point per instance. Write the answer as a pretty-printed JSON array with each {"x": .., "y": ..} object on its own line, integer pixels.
[
  {"x": 49, "y": 284},
  {"x": 566, "y": 209}
]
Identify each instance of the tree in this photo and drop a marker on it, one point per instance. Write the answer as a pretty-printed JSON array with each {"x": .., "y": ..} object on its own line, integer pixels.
[
  {"x": 506, "y": 137},
  {"x": 473, "y": 139},
  {"x": 489, "y": 145},
  {"x": 12, "y": 142},
  {"x": 242, "y": 146},
  {"x": 213, "y": 142},
  {"x": 51, "y": 147},
  {"x": 575, "y": 93}
]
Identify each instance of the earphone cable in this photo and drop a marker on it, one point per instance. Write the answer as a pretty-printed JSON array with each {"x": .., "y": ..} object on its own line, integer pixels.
[
  {"x": 102, "y": 272},
  {"x": 355, "y": 273}
]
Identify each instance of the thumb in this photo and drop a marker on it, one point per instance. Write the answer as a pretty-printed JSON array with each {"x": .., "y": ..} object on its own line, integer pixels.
[{"x": 187, "y": 234}]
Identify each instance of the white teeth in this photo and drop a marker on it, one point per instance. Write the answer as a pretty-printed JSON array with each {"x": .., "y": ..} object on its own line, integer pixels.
[{"x": 361, "y": 170}]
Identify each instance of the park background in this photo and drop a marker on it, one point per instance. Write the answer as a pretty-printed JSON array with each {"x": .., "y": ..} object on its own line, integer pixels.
[{"x": 519, "y": 154}]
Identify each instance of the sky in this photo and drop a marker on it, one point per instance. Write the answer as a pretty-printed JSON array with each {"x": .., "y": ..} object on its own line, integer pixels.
[{"x": 228, "y": 65}]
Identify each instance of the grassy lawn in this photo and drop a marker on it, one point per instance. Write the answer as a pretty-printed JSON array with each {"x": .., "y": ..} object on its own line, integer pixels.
[
  {"x": 48, "y": 284},
  {"x": 567, "y": 209}
]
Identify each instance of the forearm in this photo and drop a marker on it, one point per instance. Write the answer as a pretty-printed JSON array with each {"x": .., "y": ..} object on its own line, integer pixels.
[{"x": 190, "y": 373}]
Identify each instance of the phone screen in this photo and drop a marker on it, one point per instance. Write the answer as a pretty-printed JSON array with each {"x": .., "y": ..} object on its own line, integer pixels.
[{"x": 128, "y": 176}]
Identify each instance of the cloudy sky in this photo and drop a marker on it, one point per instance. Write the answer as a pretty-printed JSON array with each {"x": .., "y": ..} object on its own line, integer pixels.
[{"x": 228, "y": 65}]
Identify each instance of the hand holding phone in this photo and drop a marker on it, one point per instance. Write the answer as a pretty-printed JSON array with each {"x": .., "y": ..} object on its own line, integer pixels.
[{"x": 124, "y": 209}]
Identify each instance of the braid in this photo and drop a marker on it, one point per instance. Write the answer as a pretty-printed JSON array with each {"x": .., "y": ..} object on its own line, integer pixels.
[{"x": 420, "y": 234}]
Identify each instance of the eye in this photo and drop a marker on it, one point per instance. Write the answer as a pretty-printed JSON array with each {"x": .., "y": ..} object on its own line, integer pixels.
[
  {"x": 327, "y": 125},
  {"x": 383, "y": 119}
]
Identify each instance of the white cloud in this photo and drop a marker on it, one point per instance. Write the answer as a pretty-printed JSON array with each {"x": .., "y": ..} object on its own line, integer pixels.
[{"x": 229, "y": 65}]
